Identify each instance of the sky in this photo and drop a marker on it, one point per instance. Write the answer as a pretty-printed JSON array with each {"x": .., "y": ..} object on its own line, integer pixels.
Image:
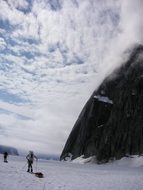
[{"x": 53, "y": 55}]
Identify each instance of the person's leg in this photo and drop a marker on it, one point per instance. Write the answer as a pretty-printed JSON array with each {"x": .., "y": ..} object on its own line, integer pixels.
[
  {"x": 4, "y": 159},
  {"x": 31, "y": 166},
  {"x": 28, "y": 166}
]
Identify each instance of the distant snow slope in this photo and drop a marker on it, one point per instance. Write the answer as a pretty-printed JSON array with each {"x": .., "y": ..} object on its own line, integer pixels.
[{"x": 126, "y": 174}]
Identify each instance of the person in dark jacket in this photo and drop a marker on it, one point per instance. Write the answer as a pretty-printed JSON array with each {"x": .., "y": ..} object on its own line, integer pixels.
[
  {"x": 30, "y": 159},
  {"x": 5, "y": 155}
]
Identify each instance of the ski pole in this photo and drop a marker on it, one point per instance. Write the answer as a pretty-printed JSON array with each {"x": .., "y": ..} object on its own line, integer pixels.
[
  {"x": 23, "y": 166},
  {"x": 36, "y": 164}
]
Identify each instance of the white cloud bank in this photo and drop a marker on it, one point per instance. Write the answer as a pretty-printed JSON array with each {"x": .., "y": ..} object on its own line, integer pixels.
[{"x": 53, "y": 53}]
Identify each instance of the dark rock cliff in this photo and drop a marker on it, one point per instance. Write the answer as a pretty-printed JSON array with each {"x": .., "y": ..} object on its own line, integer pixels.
[{"x": 110, "y": 125}]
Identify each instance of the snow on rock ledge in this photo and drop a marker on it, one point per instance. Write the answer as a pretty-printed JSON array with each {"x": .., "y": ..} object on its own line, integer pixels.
[
  {"x": 82, "y": 160},
  {"x": 103, "y": 99}
]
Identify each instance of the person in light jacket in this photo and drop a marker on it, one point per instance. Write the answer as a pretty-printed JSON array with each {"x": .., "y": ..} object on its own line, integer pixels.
[{"x": 30, "y": 159}]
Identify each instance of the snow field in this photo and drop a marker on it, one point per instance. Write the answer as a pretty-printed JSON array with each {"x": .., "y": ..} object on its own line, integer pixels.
[{"x": 126, "y": 174}]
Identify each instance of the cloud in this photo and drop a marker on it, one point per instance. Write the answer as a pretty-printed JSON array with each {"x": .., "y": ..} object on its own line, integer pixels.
[
  {"x": 132, "y": 21},
  {"x": 53, "y": 54},
  {"x": 17, "y": 4}
]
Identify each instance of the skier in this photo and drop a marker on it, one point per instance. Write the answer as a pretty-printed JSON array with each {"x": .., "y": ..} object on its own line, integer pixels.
[
  {"x": 30, "y": 159},
  {"x": 5, "y": 155}
]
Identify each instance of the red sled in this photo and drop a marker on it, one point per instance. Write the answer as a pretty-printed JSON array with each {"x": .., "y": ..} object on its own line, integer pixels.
[{"x": 39, "y": 174}]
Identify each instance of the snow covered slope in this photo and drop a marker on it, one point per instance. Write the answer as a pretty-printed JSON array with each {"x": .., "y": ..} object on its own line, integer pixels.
[{"x": 126, "y": 174}]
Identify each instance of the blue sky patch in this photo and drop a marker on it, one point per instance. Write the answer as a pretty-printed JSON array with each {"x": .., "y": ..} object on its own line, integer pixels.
[
  {"x": 11, "y": 98},
  {"x": 19, "y": 116}
]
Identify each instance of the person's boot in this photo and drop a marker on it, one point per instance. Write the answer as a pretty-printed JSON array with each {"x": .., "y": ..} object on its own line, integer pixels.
[
  {"x": 31, "y": 170},
  {"x": 28, "y": 170}
]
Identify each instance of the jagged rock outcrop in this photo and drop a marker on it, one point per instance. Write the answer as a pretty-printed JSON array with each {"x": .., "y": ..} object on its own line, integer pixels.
[
  {"x": 111, "y": 123},
  {"x": 8, "y": 149}
]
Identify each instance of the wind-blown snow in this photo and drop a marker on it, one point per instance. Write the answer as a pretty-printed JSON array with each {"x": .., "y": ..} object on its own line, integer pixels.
[{"x": 126, "y": 174}]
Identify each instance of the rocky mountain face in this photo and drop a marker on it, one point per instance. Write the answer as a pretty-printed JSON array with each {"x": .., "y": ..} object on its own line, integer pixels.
[
  {"x": 110, "y": 125},
  {"x": 9, "y": 150}
]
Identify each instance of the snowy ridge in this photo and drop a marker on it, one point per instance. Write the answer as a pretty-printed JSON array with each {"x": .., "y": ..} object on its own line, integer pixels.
[
  {"x": 131, "y": 161},
  {"x": 82, "y": 160}
]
